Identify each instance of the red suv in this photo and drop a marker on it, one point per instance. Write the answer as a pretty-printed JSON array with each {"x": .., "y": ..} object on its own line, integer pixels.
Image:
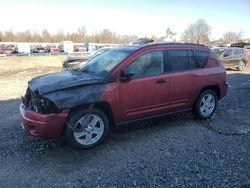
[{"x": 123, "y": 85}]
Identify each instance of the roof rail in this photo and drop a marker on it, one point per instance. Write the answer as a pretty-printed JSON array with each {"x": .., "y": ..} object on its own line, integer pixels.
[{"x": 176, "y": 43}]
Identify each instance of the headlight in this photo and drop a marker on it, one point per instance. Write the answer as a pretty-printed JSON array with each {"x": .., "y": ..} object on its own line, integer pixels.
[{"x": 43, "y": 105}]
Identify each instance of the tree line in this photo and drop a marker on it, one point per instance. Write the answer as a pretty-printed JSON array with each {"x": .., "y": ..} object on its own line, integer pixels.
[
  {"x": 80, "y": 36},
  {"x": 197, "y": 32}
]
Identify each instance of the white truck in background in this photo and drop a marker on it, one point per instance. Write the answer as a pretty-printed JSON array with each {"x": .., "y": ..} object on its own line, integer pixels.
[
  {"x": 23, "y": 48},
  {"x": 66, "y": 46}
]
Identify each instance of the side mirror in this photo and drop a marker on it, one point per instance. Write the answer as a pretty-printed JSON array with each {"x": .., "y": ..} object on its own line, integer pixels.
[
  {"x": 126, "y": 74},
  {"x": 226, "y": 55}
]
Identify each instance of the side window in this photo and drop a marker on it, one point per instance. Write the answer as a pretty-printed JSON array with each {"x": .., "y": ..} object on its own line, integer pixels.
[
  {"x": 149, "y": 64},
  {"x": 177, "y": 60},
  {"x": 238, "y": 52},
  {"x": 193, "y": 64},
  {"x": 201, "y": 58}
]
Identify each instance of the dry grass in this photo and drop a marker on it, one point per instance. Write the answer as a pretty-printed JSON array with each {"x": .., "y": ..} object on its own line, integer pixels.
[{"x": 15, "y": 72}]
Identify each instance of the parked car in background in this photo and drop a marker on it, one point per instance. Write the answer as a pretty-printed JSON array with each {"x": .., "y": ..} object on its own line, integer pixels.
[
  {"x": 123, "y": 85},
  {"x": 5, "y": 51},
  {"x": 8, "y": 49},
  {"x": 51, "y": 48},
  {"x": 232, "y": 57},
  {"x": 247, "y": 46},
  {"x": 76, "y": 62},
  {"x": 79, "y": 48},
  {"x": 37, "y": 49}
]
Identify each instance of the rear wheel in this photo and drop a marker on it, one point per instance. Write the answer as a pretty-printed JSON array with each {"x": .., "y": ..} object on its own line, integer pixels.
[
  {"x": 86, "y": 130},
  {"x": 205, "y": 105},
  {"x": 242, "y": 66}
]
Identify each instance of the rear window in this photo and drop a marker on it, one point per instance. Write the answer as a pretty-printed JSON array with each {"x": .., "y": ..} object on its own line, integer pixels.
[{"x": 201, "y": 58}]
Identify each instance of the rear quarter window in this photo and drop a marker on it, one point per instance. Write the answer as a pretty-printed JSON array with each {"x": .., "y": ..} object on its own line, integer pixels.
[{"x": 201, "y": 58}]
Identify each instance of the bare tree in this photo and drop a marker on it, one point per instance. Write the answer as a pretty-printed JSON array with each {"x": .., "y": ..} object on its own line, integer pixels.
[
  {"x": 126, "y": 39},
  {"x": 1, "y": 36},
  {"x": 10, "y": 36},
  {"x": 46, "y": 35},
  {"x": 24, "y": 36},
  {"x": 106, "y": 35},
  {"x": 81, "y": 33},
  {"x": 230, "y": 36},
  {"x": 197, "y": 32},
  {"x": 37, "y": 37},
  {"x": 82, "y": 30},
  {"x": 60, "y": 36}
]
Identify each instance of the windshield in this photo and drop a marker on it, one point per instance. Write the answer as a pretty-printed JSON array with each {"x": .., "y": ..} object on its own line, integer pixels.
[
  {"x": 101, "y": 50},
  {"x": 102, "y": 64},
  {"x": 218, "y": 51}
]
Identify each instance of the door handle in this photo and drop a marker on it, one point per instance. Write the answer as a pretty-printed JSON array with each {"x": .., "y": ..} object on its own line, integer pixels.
[{"x": 161, "y": 81}]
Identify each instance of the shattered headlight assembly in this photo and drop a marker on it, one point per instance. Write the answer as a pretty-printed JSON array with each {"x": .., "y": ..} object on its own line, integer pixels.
[{"x": 43, "y": 105}]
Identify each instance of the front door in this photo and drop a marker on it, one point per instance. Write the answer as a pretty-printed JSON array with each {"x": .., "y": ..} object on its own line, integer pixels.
[
  {"x": 227, "y": 58},
  {"x": 147, "y": 92}
]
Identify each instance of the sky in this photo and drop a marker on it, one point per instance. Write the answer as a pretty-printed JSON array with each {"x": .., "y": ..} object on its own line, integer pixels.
[{"x": 143, "y": 18}]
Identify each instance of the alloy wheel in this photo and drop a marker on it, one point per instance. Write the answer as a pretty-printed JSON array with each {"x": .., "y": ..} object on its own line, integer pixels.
[
  {"x": 91, "y": 132},
  {"x": 207, "y": 104}
]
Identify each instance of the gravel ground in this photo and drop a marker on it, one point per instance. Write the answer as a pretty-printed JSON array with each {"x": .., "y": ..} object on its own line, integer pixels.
[{"x": 174, "y": 151}]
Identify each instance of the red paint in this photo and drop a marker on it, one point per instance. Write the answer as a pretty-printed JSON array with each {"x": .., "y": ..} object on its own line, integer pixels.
[
  {"x": 5, "y": 51},
  {"x": 140, "y": 98},
  {"x": 41, "y": 125},
  {"x": 54, "y": 49}
]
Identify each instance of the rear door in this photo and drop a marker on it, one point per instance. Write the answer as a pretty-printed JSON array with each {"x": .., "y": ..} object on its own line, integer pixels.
[
  {"x": 181, "y": 86},
  {"x": 237, "y": 56}
]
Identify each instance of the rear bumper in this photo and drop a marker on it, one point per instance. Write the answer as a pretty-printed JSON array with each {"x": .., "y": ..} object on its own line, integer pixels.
[{"x": 46, "y": 126}]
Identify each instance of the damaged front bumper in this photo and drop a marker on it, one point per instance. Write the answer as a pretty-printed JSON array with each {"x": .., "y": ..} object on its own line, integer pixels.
[{"x": 46, "y": 126}]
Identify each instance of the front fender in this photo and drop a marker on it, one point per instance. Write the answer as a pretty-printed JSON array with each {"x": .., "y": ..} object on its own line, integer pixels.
[{"x": 72, "y": 97}]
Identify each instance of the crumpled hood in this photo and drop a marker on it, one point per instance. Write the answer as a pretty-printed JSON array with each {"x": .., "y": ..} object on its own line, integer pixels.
[{"x": 61, "y": 80}]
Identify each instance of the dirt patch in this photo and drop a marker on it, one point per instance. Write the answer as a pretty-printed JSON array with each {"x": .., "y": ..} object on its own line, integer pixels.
[{"x": 15, "y": 72}]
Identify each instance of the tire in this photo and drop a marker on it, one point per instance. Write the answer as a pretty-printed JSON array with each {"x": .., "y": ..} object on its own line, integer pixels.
[
  {"x": 242, "y": 66},
  {"x": 205, "y": 105},
  {"x": 91, "y": 135}
]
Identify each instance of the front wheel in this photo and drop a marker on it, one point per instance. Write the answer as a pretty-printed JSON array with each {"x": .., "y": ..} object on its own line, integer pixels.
[
  {"x": 84, "y": 133},
  {"x": 242, "y": 66},
  {"x": 205, "y": 105}
]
